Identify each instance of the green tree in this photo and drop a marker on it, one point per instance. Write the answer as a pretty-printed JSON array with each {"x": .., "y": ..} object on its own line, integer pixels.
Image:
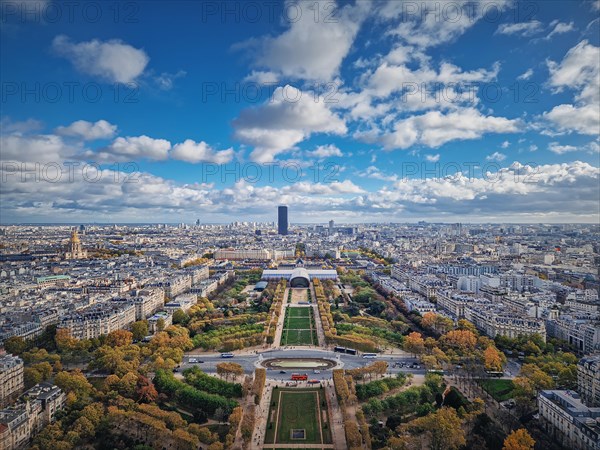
[
  {"x": 443, "y": 429},
  {"x": 180, "y": 317},
  {"x": 31, "y": 377},
  {"x": 75, "y": 382},
  {"x": 15, "y": 345},
  {"x": 140, "y": 329}
]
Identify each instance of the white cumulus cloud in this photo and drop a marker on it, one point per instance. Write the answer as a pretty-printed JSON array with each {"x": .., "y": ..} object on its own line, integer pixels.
[
  {"x": 196, "y": 152},
  {"x": 326, "y": 151},
  {"x": 434, "y": 128},
  {"x": 282, "y": 122},
  {"x": 112, "y": 60},
  {"x": 88, "y": 131},
  {"x": 524, "y": 29},
  {"x": 133, "y": 147},
  {"x": 312, "y": 47}
]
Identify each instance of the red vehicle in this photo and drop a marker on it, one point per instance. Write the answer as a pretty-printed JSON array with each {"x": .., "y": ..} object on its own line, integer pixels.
[
  {"x": 313, "y": 381},
  {"x": 299, "y": 377}
]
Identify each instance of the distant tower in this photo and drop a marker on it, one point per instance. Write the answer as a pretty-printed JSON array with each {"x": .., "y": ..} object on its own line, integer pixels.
[
  {"x": 75, "y": 250},
  {"x": 331, "y": 223},
  {"x": 282, "y": 220}
]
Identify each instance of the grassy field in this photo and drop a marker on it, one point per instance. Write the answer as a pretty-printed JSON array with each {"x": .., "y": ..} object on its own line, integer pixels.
[
  {"x": 298, "y": 337},
  {"x": 300, "y": 311},
  {"x": 298, "y": 409},
  {"x": 298, "y": 323},
  {"x": 499, "y": 389},
  {"x": 298, "y": 327}
]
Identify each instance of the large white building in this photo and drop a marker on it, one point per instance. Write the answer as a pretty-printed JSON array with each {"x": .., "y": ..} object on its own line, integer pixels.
[
  {"x": 588, "y": 380},
  {"x": 11, "y": 377},
  {"x": 242, "y": 254},
  {"x": 584, "y": 334},
  {"x": 147, "y": 301},
  {"x": 99, "y": 319},
  {"x": 183, "y": 302},
  {"x": 36, "y": 409},
  {"x": 568, "y": 421},
  {"x": 298, "y": 274}
]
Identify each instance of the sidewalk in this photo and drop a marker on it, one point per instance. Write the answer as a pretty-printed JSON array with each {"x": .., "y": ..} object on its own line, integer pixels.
[{"x": 280, "y": 321}]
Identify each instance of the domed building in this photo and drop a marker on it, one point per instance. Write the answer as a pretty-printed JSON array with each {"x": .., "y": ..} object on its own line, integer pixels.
[
  {"x": 299, "y": 278},
  {"x": 75, "y": 249}
]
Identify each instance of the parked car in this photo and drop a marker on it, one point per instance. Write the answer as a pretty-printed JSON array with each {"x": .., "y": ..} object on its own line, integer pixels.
[{"x": 282, "y": 371}]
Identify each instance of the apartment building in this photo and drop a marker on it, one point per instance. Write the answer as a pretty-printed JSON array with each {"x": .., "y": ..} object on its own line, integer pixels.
[
  {"x": 588, "y": 380},
  {"x": 453, "y": 303},
  {"x": 36, "y": 408},
  {"x": 584, "y": 334},
  {"x": 494, "y": 321},
  {"x": 146, "y": 301},
  {"x": 11, "y": 377},
  {"x": 418, "y": 304},
  {"x": 568, "y": 421},
  {"x": 167, "y": 319},
  {"x": 101, "y": 318},
  {"x": 183, "y": 302},
  {"x": 198, "y": 273},
  {"x": 242, "y": 254}
]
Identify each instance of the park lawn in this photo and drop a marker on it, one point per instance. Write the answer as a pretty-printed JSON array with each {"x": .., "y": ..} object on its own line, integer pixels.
[
  {"x": 298, "y": 409},
  {"x": 500, "y": 390},
  {"x": 298, "y": 323},
  {"x": 299, "y": 311},
  {"x": 299, "y": 327},
  {"x": 299, "y": 337}
]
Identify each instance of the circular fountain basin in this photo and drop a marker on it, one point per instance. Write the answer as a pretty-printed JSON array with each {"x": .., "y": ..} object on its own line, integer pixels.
[{"x": 299, "y": 363}]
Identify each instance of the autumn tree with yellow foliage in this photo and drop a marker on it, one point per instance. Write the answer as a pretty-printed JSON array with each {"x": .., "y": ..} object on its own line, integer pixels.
[
  {"x": 519, "y": 440},
  {"x": 493, "y": 359}
]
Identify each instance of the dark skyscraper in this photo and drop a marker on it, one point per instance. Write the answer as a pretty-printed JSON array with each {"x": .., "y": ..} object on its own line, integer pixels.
[{"x": 282, "y": 220}]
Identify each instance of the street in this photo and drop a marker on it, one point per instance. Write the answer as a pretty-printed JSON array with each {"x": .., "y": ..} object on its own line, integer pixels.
[{"x": 250, "y": 361}]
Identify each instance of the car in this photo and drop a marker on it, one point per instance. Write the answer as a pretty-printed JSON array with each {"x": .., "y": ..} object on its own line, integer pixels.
[
  {"x": 200, "y": 362},
  {"x": 282, "y": 371},
  {"x": 316, "y": 371}
]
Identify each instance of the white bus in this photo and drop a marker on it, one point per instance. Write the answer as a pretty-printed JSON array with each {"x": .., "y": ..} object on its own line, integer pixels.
[{"x": 370, "y": 355}]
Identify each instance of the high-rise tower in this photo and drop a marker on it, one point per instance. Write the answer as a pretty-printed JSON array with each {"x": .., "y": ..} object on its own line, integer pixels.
[{"x": 282, "y": 220}]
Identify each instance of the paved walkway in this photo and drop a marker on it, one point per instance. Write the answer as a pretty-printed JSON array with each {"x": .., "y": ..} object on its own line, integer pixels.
[
  {"x": 262, "y": 412},
  {"x": 280, "y": 322},
  {"x": 337, "y": 428},
  {"x": 318, "y": 322}
]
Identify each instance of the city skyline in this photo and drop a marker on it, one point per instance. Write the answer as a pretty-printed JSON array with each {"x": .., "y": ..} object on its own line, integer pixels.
[{"x": 352, "y": 111}]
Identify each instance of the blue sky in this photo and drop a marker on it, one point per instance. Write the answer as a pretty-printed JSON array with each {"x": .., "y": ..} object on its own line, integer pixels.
[{"x": 357, "y": 111}]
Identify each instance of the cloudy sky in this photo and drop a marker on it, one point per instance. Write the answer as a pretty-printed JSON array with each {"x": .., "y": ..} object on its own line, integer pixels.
[{"x": 360, "y": 111}]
